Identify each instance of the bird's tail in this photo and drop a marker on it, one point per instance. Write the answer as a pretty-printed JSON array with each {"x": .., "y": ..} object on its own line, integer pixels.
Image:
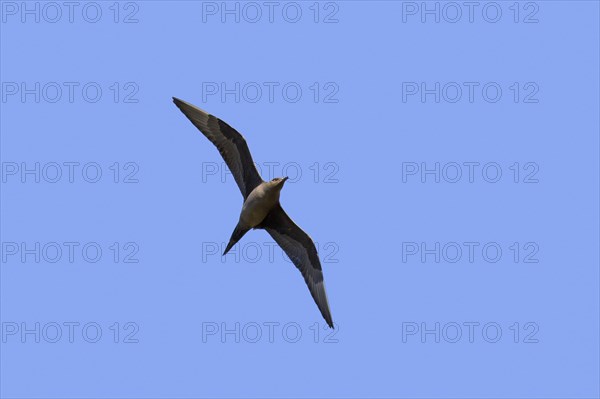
[{"x": 237, "y": 234}]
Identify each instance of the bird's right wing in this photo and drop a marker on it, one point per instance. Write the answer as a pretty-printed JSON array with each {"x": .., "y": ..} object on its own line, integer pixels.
[
  {"x": 300, "y": 248},
  {"x": 229, "y": 142}
]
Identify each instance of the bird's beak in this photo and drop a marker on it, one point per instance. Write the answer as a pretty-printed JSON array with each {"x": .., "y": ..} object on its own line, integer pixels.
[{"x": 282, "y": 181}]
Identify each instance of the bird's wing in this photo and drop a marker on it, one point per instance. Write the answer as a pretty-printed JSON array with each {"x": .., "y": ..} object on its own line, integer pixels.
[
  {"x": 229, "y": 142},
  {"x": 300, "y": 248}
]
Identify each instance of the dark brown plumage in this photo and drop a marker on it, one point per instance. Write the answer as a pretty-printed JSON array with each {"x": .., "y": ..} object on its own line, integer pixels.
[{"x": 258, "y": 195}]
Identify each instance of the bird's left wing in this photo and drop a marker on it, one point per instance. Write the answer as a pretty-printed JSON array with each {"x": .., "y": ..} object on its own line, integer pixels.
[
  {"x": 300, "y": 248},
  {"x": 229, "y": 142}
]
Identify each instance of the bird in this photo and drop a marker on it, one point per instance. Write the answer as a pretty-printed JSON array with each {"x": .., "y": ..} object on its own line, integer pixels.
[{"x": 261, "y": 208}]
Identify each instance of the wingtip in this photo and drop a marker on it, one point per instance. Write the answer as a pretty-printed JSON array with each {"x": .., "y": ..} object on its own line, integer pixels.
[
  {"x": 327, "y": 317},
  {"x": 186, "y": 107}
]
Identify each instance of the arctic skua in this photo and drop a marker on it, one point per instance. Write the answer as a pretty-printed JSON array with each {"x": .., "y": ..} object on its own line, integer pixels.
[{"x": 261, "y": 208}]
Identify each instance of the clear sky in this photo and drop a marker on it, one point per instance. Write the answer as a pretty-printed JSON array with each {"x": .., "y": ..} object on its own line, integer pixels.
[{"x": 443, "y": 156}]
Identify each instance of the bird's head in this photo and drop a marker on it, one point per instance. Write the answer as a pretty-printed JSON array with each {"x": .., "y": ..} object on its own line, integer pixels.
[{"x": 278, "y": 182}]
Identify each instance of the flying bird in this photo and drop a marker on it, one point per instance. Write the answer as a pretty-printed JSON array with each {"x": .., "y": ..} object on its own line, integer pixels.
[{"x": 261, "y": 208}]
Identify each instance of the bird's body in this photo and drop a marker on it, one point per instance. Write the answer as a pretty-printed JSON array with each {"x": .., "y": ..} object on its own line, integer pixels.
[
  {"x": 259, "y": 203},
  {"x": 261, "y": 208},
  {"x": 256, "y": 207}
]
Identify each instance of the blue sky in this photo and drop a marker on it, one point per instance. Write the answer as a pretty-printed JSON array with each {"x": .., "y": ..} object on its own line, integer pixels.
[{"x": 444, "y": 158}]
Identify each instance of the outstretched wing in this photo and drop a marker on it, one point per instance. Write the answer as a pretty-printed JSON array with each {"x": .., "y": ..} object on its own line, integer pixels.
[
  {"x": 229, "y": 142},
  {"x": 301, "y": 250}
]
